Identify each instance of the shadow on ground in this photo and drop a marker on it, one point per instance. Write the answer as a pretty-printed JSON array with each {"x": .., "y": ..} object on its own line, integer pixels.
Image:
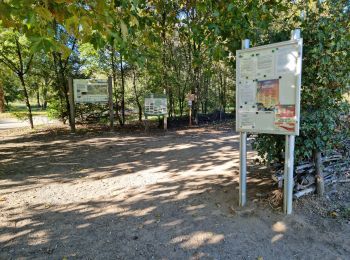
[{"x": 162, "y": 196}]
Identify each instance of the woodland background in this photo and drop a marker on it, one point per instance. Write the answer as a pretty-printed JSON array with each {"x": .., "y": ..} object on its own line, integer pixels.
[{"x": 178, "y": 47}]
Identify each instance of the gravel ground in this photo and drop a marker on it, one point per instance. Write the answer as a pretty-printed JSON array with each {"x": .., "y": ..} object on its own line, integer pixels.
[{"x": 160, "y": 195}]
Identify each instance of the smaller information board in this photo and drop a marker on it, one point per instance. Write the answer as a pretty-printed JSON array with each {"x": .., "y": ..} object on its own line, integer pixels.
[
  {"x": 90, "y": 90},
  {"x": 155, "y": 105}
]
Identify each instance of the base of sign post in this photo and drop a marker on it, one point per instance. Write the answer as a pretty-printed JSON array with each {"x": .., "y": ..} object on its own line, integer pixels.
[
  {"x": 243, "y": 169},
  {"x": 288, "y": 175}
]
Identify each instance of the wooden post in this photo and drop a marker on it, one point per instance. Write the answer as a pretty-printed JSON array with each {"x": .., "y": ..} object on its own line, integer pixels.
[
  {"x": 71, "y": 105},
  {"x": 110, "y": 103},
  {"x": 165, "y": 122},
  {"x": 146, "y": 124},
  {"x": 319, "y": 173}
]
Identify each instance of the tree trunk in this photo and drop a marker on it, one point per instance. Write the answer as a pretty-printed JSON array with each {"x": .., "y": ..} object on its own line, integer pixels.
[
  {"x": 44, "y": 93},
  {"x": 319, "y": 172},
  {"x": 123, "y": 89},
  {"x": 38, "y": 98},
  {"x": 137, "y": 96},
  {"x": 224, "y": 99},
  {"x": 171, "y": 103},
  {"x": 63, "y": 88},
  {"x": 220, "y": 93},
  {"x": 2, "y": 100},
  {"x": 66, "y": 97},
  {"x": 30, "y": 116},
  {"x": 207, "y": 95},
  {"x": 114, "y": 76}
]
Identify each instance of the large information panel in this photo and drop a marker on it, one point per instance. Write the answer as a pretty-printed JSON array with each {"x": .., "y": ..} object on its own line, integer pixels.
[
  {"x": 155, "y": 105},
  {"x": 90, "y": 90},
  {"x": 268, "y": 80}
]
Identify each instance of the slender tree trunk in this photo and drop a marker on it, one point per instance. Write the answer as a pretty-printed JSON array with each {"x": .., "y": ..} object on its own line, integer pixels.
[
  {"x": 319, "y": 173},
  {"x": 66, "y": 97},
  {"x": 136, "y": 95},
  {"x": 30, "y": 116},
  {"x": 171, "y": 103},
  {"x": 123, "y": 88},
  {"x": 206, "y": 96},
  {"x": 181, "y": 105},
  {"x": 62, "y": 85},
  {"x": 38, "y": 98},
  {"x": 163, "y": 35},
  {"x": 2, "y": 100},
  {"x": 220, "y": 94},
  {"x": 224, "y": 99},
  {"x": 114, "y": 76},
  {"x": 44, "y": 93}
]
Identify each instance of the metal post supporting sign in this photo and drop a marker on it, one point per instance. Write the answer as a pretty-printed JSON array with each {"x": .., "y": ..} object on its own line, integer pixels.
[
  {"x": 243, "y": 156},
  {"x": 289, "y": 157}
]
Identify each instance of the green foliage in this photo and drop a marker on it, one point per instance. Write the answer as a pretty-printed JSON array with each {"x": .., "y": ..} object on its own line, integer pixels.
[
  {"x": 325, "y": 79},
  {"x": 57, "y": 110},
  {"x": 270, "y": 147},
  {"x": 10, "y": 85}
]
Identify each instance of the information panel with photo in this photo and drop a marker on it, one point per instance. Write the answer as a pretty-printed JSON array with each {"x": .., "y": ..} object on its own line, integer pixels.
[
  {"x": 90, "y": 90},
  {"x": 268, "y": 82}
]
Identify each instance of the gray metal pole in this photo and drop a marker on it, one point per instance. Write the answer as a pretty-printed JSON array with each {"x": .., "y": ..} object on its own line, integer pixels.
[
  {"x": 243, "y": 156},
  {"x": 71, "y": 105},
  {"x": 110, "y": 103},
  {"x": 242, "y": 169},
  {"x": 288, "y": 174},
  {"x": 289, "y": 158}
]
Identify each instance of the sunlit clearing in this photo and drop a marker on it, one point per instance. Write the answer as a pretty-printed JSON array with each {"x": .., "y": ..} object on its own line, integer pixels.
[
  {"x": 189, "y": 208},
  {"x": 167, "y": 148},
  {"x": 138, "y": 212},
  {"x": 276, "y": 238},
  {"x": 279, "y": 227},
  {"x": 85, "y": 225},
  {"x": 198, "y": 239},
  {"x": 173, "y": 223},
  {"x": 7, "y": 237},
  {"x": 33, "y": 238}
]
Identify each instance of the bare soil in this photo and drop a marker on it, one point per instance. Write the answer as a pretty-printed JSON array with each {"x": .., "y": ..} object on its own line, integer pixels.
[{"x": 173, "y": 195}]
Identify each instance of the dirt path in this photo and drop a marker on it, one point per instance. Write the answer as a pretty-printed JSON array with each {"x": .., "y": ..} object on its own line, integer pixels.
[
  {"x": 14, "y": 123},
  {"x": 158, "y": 196}
]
